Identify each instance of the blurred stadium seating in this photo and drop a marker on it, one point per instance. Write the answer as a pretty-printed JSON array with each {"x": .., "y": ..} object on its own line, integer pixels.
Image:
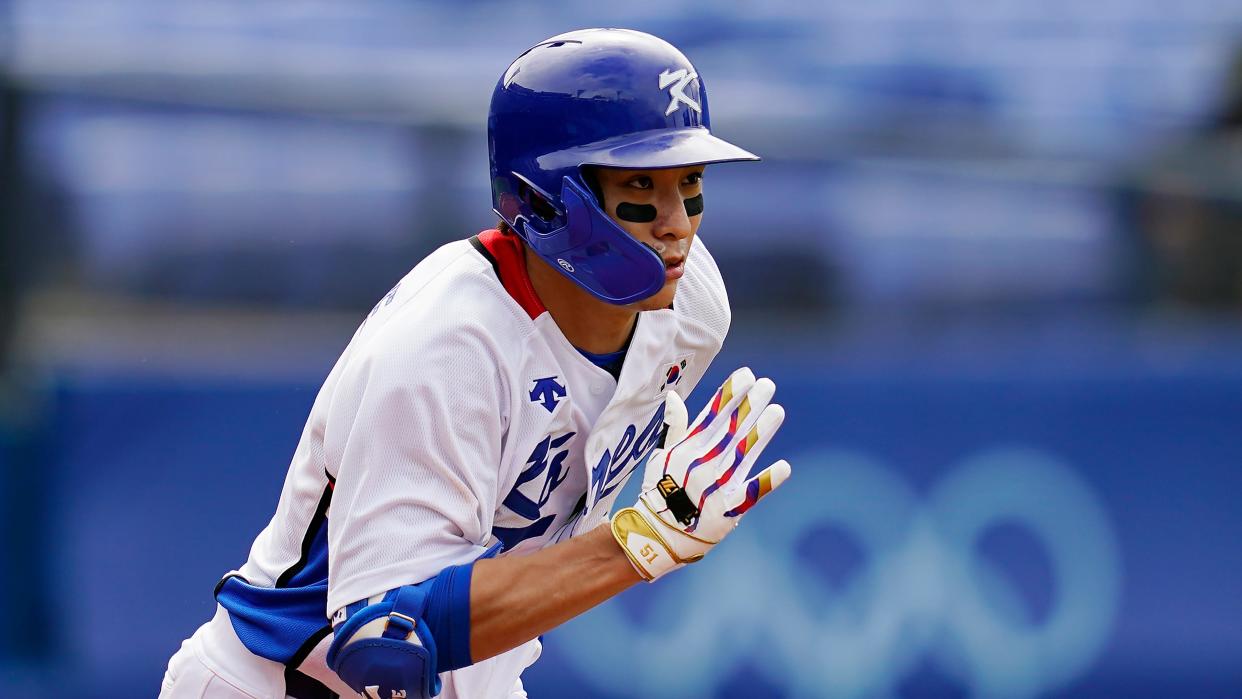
[{"x": 993, "y": 258}]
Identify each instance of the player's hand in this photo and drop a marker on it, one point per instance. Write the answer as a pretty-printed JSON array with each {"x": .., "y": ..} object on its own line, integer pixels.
[{"x": 695, "y": 489}]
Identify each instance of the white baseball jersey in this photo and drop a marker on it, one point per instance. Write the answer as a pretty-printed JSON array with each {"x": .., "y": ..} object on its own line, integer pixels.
[{"x": 459, "y": 416}]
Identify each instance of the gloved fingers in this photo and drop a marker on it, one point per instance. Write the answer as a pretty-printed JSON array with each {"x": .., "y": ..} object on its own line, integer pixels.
[
  {"x": 735, "y": 464},
  {"x": 723, "y": 402},
  {"x": 758, "y": 487},
  {"x": 709, "y": 456},
  {"x": 750, "y": 445},
  {"x": 748, "y": 412},
  {"x": 675, "y": 418}
]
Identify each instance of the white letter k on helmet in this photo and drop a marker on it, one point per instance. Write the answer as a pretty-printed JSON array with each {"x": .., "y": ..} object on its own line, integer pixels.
[{"x": 679, "y": 79}]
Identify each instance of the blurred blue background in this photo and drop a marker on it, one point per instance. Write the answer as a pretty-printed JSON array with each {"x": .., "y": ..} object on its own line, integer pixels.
[{"x": 992, "y": 257}]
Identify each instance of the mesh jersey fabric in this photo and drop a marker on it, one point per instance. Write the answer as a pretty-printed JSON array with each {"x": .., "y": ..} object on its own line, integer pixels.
[{"x": 459, "y": 415}]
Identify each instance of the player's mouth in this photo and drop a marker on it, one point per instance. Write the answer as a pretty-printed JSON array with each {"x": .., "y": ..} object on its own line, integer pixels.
[{"x": 674, "y": 267}]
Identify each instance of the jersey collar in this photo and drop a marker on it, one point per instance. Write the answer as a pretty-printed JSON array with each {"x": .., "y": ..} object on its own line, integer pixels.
[{"x": 508, "y": 258}]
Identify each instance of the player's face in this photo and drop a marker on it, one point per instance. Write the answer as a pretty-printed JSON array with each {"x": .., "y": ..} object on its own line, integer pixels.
[{"x": 661, "y": 209}]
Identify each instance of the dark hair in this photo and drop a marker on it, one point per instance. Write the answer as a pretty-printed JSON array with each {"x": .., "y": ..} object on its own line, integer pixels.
[{"x": 591, "y": 177}]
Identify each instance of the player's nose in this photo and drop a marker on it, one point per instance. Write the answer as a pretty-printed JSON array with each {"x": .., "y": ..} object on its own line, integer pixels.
[{"x": 673, "y": 221}]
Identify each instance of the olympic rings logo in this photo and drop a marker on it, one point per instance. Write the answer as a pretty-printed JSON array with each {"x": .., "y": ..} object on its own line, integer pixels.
[{"x": 924, "y": 593}]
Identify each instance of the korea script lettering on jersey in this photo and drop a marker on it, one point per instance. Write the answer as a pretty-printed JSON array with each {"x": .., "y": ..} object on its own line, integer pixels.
[{"x": 459, "y": 416}]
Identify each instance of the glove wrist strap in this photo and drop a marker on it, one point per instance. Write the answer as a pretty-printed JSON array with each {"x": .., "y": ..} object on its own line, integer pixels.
[
  {"x": 644, "y": 535},
  {"x": 650, "y": 554}
]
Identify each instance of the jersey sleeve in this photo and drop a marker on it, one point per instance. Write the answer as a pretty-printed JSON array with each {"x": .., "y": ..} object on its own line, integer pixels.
[{"x": 415, "y": 432}]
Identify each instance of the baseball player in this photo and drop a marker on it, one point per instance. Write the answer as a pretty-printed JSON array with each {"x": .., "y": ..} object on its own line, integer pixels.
[{"x": 452, "y": 495}]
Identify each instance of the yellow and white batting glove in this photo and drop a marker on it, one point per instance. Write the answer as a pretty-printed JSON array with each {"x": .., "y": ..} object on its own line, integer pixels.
[{"x": 695, "y": 489}]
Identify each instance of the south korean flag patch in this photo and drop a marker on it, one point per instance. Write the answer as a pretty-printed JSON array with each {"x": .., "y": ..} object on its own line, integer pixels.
[{"x": 673, "y": 373}]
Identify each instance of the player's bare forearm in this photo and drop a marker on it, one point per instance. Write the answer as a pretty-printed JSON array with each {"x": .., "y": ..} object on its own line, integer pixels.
[{"x": 515, "y": 598}]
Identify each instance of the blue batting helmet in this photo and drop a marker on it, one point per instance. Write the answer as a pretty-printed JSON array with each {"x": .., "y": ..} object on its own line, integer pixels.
[{"x": 606, "y": 97}]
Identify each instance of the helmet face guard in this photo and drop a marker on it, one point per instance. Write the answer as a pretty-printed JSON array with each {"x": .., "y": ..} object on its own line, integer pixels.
[{"x": 595, "y": 97}]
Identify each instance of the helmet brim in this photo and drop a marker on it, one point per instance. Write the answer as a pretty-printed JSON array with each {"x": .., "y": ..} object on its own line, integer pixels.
[{"x": 660, "y": 148}]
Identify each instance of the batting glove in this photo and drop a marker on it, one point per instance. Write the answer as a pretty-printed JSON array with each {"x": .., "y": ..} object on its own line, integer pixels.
[{"x": 695, "y": 488}]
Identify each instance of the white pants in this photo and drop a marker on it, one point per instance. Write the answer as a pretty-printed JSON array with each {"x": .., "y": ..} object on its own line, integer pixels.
[{"x": 213, "y": 664}]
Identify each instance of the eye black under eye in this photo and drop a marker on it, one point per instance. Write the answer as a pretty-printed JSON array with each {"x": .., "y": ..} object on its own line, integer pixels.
[
  {"x": 694, "y": 205},
  {"x": 636, "y": 213}
]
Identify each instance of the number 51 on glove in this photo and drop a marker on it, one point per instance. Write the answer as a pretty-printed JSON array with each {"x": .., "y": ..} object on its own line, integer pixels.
[{"x": 695, "y": 488}]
